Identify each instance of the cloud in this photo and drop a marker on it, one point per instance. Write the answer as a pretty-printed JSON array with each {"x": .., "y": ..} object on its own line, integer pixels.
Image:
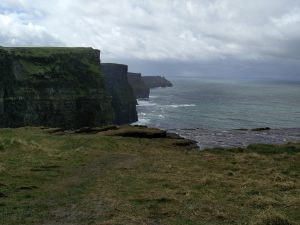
[
  {"x": 184, "y": 30},
  {"x": 18, "y": 30}
]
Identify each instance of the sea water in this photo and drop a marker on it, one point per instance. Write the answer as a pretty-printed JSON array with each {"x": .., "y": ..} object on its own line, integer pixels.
[{"x": 224, "y": 104}]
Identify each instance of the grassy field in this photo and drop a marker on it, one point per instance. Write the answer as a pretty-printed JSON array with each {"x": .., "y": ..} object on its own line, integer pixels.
[
  {"x": 44, "y": 51},
  {"x": 67, "y": 179}
]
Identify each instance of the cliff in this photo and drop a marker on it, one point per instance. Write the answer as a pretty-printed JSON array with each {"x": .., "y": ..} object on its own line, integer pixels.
[
  {"x": 54, "y": 87},
  {"x": 140, "y": 90},
  {"x": 123, "y": 99},
  {"x": 156, "y": 81}
]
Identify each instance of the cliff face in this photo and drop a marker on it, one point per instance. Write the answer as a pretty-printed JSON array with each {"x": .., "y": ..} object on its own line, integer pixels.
[
  {"x": 54, "y": 87},
  {"x": 123, "y": 99},
  {"x": 156, "y": 81},
  {"x": 140, "y": 90}
]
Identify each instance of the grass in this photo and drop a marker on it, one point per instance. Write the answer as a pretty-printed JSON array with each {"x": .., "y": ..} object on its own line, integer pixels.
[
  {"x": 44, "y": 51},
  {"x": 32, "y": 68},
  {"x": 60, "y": 178}
]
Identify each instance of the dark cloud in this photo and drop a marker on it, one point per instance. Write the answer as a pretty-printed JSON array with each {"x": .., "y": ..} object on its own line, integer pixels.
[
  {"x": 218, "y": 69},
  {"x": 195, "y": 34}
]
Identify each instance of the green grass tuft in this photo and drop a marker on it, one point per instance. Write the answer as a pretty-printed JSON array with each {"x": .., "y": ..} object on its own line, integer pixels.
[
  {"x": 48, "y": 176},
  {"x": 270, "y": 217}
]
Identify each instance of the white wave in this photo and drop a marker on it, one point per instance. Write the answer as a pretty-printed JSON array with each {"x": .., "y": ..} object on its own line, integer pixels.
[
  {"x": 161, "y": 116},
  {"x": 141, "y": 114},
  {"x": 180, "y": 105},
  {"x": 142, "y": 121},
  {"x": 145, "y": 103}
]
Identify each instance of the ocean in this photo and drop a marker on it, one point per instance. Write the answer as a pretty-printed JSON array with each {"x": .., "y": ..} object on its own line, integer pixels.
[{"x": 222, "y": 104}]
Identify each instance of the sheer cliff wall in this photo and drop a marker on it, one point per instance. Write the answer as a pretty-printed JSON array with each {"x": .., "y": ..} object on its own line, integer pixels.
[
  {"x": 123, "y": 99},
  {"x": 140, "y": 90},
  {"x": 156, "y": 81},
  {"x": 54, "y": 87}
]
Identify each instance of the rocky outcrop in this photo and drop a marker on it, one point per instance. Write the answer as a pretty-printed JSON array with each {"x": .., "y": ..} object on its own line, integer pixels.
[
  {"x": 54, "y": 87},
  {"x": 240, "y": 138},
  {"x": 156, "y": 81},
  {"x": 123, "y": 99},
  {"x": 140, "y": 90}
]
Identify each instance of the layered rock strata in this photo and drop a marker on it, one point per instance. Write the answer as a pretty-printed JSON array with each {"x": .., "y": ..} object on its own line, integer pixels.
[
  {"x": 53, "y": 87},
  {"x": 140, "y": 90},
  {"x": 123, "y": 99}
]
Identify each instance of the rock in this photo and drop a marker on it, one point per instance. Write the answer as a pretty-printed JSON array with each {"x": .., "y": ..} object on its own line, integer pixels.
[
  {"x": 55, "y": 130},
  {"x": 53, "y": 87},
  {"x": 123, "y": 99},
  {"x": 220, "y": 138},
  {"x": 173, "y": 135},
  {"x": 138, "y": 132},
  {"x": 140, "y": 126},
  {"x": 94, "y": 130},
  {"x": 139, "y": 88},
  {"x": 86, "y": 130},
  {"x": 182, "y": 141},
  {"x": 156, "y": 81},
  {"x": 187, "y": 143},
  {"x": 143, "y": 134},
  {"x": 261, "y": 129}
]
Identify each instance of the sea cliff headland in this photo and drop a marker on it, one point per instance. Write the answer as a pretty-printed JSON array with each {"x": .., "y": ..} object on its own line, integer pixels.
[
  {"x": 156, "y": 81},
  {"x": 123, "y": 99},
  {"x": 140, "y": 89},
  {"x": 77, "y": 167},
  {"x": 54, "y": 87}
]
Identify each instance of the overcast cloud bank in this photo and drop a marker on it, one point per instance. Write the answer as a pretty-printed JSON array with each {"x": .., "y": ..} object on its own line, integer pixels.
[{"x": 197, "y": 32}]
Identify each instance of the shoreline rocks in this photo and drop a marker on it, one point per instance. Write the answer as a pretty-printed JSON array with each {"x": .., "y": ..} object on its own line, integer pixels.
[{"x": 221, "y": 138}]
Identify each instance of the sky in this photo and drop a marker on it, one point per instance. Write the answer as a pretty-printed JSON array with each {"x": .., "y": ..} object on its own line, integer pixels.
[{"x": 205, "y": 38}]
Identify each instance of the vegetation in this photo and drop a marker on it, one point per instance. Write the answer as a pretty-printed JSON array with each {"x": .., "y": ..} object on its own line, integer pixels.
[
  {"x": 53, "y": 177},
  {"x": 55, "y": 87},
  {"x": 44, "y": 51}
]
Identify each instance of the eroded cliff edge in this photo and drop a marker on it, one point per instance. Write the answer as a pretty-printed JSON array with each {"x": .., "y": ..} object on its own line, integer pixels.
[
  {"x": 54, "y": 87},
  {"x": 140, "y": 89},
  {"x": 123, "y": 99},
  {"x": 156, "y": 81}
]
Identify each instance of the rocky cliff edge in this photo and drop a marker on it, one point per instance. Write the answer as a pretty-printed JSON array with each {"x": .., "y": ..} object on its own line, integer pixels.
[{"x": 54, "y": 87}]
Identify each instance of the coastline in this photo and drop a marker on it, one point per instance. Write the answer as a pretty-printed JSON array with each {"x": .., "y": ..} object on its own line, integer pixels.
[{"x": 238, "y": 138}]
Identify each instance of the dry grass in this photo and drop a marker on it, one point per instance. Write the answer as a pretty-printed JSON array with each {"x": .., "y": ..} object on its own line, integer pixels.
[
  {"x": 54, "y": 179},
  {"x": 270, "y": 217}
]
